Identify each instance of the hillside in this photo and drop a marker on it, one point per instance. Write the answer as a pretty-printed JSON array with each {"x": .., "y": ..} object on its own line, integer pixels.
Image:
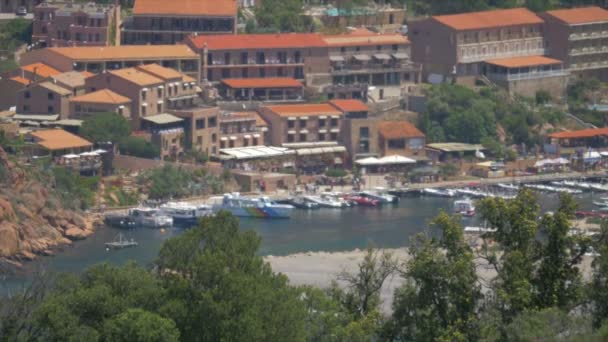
[{"x": 32, "y": 219}]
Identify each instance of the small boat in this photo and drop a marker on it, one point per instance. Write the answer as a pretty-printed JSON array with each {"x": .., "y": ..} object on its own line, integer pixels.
[
  {"x": 381, "y": 195},
  {"x": 324, "y": 201},
  {"x": 439, "y": 192},
  {"x": 362, "y": 201},
  {"x": 258, "y": 207},
  {"x": 508, "y": 186},
  {"x": 472, "y": 193},
  {"x": 302, "y": 203},
  {"x": 150, "y": 218},
  {"x": 478, "y": 230},
  {"x": 119, "y": 221},
  {"x": 184, "y": 213},
  {"x": 120, "y": 242},
  {"x": 464, "y": 207},
  {"x": 338, "y": 197}
]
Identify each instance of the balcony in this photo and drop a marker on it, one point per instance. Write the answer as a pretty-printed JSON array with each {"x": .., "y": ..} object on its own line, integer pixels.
[
  {"x": 254, "y": 62},
  {"x": 498, "y": 55},
  {"x": 526, "y": 75},
  {"x": 589, "y": 65},
  {"x": 347, "y": 69},
  {"x": 588, "y": 50},
  {"x": 588, "y": 35}
]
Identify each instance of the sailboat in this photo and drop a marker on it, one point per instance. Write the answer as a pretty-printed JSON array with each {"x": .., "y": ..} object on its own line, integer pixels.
[{"x": 120, "y": 242}]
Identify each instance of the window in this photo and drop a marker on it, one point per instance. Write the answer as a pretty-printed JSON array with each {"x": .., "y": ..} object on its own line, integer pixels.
[
  {"x": 51, "y": 96},
  {"x": 262, "y": 72},
  {"x": 51, "y": 109},
  {"x": 291, "y": 123},
  {"x": 225, "y": 73},
  {"x": 159, "y": 92},
  {"x": 27, "y": 95},
  {"x": 199, "y": 140},
  {"x": 396, "y": 144},
  {"x": 245, "y": 73},
  {"x": 212, "y": 122},
  {"x": 260, "y": 58},
  {"x": 364, "y": 132},
  {"x": 379, "y": 47},
  {"x": 222, "y": 144},
  {"x": 227, "y": 58},
  {"x": 143, "y": 94},
  {"x": 334, "y": 136},
  {"x": 78, "y": 108},
  {"x": 231, "y": 143},
  {"x": 214, "y": 138},
  {"x": 26, "y": 109},
  {"x": 298, "y": 57},
  {"x": 255, "y": 142},
  {"x": 78, "y": 37},
  {"x": 290, "y": 138},
  {"x": 200, "y": 123},
  {"x": 334, "y": 122},
  {"x": 321, "y": 136},
  {"x": 244, "y": 58},
  {"x": 44, "y": 30},
  {"x": 302, "y": 123},
  {"x": 343, "y": 49},
  {"x": 245, "y": 142},
  {"x": 302, "y": 137},
  {"x": 280, "y": 72},
  {"x": 143, "y": 111},
  {"x": 210, "y": 59},
  {"x": 357, "y": 48},
  {"x": 321, "y": 122},
  {"x": 395, "y": 47},
  {"x": 159, "y": 108}
]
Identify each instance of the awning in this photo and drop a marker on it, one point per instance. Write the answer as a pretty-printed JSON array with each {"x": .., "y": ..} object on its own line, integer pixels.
[
  {"x": 224, "y": 139},
  {"x": 396, "y": 159},
  {"x": 400, "y": 55},
  {"x": 362, "y": 58},
  {"x": 252, "y": 152},
  {"x": 70, "y": 156},
  {"x": 304, "y": 131},
  {"x": 322, "y": 131},
  {"x": 336, "y": 58},
  {"x": 232, "y": 138},
  {"x": 321, "y": 150},
  {"x": 291, "y": 118},
  {"x": 185, "y": 97},
  {"x": 335, "y": 130},
  {"x": 322, "y": 116},
  {"x": 161, "y": 119},
  {"x": 382, "y": 56},
  {"x": 368, "y": 161},
  {"x": 291, "y": 132},
  {"x": 33, "y": 117},
  {"x": 247, "y": 136},
  {"x": 256, "y": 135}
]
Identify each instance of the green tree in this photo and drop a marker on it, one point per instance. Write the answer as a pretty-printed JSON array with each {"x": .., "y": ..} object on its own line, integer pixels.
[
  {"x": 138, "y": 147},
  {"x": 137, "y": 325},
  {"x": 75, "y": 191},
  {"x": 281, "y": 16},
  {"x": 548, "y": 325},
  {"x": 439, "y": 299},
  {"x": 598, "y": 289},
  {"x": 103, "y": 127},
  {"x": 221, "y": 289}
]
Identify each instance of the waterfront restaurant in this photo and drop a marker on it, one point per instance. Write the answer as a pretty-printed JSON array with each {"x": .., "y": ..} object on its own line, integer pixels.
[
  {"x": 258, "y": 158},
  {"x": 262, "y": 89},
  {"x": 57, "y": 142},
  {"x": 564, "y": 143}
]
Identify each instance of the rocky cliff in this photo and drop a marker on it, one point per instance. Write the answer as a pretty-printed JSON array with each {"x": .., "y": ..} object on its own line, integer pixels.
[{"x": 32, "y": 221}]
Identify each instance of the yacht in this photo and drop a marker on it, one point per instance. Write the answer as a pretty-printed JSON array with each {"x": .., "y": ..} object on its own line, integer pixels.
[
  {"x": 185, "y": 213},
  {"x": 260, "y": 207},
  {"x": 381, "y": 195},
  {"x": 336, "y": 196},
  {"x": 439, "y": 192},
  {"x": 324, "y": 201},
  {"x": 464, "y": 207},
  {"x": 150, "y": 217}
]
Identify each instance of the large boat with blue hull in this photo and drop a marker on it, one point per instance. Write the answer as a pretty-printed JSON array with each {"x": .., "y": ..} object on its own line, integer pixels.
[
  {"x": 185, "y": 214},
  {"x": 258, "y": 207}
]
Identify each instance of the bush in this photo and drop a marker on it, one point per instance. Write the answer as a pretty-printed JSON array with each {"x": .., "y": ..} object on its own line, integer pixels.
[
  {"x": 75, "y": 191},
  {"x": 139, "y": 147},
  {"x": 335, "y": 173}
]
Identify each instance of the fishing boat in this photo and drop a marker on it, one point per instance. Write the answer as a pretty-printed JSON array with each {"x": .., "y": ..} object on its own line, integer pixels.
[
  {"x": 439, "y": 192},
  {"x": 381, "y": 195},
  {"x": 119, "y": 221},
  {"x": 150, "y": 217},
  {"x": 120, "y": 242},
  {"x": 257, "y": 207},
  {"x": 362, "y": 201},
  {"x": 184, "y": 213},
  {"x": 464, "y": 207}
]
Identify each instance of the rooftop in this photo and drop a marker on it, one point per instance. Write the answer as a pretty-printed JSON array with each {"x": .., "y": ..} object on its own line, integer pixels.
[
  {"x": 21, "y": 80},
  {"x": 257, "y": 41},
  {"x": 68, "y": 7},
  {"x": 160, "y": 71},
  {"x": 162, "y": 119},
  {"x": 219, "y": 8},
  {"x": 41, "y": 70},
  {"x": 304, "y": 109},
  {"x": 55, "y": 88},
  {"x": 252, "y": 152},
  {"x": 398, "y": 130},
  {"x": 360, "y": 38},
  {"x": 489, "y": 19},
  {"x": 72, "y": 79},
  {"x": 276, "y": 82},
  {"x": 102, "y": 96},
  {"x": 456, "y": 147},
  {"x": 136, "y": 76},
  {"x": 350, "y": 105},
  {"x": 58, "y": 139},
  {"x": 125, "y": 52},
  {"x": 584, "y": 133},
  {"x": 524, "y": 61},
  {"x": 582, "y": 15}
]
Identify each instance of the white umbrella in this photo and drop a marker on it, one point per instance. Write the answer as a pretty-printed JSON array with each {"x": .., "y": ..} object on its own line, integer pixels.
[
  {"x": 396, "y": 159},
  {"x": 368, "y": 161},
  {"x": 70, "y": 156}
]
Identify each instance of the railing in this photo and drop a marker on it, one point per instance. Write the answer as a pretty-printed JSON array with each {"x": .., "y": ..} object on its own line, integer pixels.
[
  {"x": 370, "y": 67},
  {"x": 588, "y": 50},
  {"x": 527, "y": 76},
  {"x": 487, "y": 55},
  {"x": 221, "y": 62},
  {"x": 589, "y": 65},
  {"x": 588, "y": 35}
]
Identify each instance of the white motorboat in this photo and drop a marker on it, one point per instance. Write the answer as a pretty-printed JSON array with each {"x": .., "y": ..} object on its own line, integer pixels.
[
  {"x": 150, "y": 217},
  {"x": 381, "y": 195},
  {"x": 338, "y": 197},
  {"x": 185, "y": 213},
  {"x": 324, "y": 201},
  {"x": 464, "y": 207},
  {"x": 258, "y": 207},
  {"x": 508, "y": 186},
  {"x": 439, "y": 192},
  {"x": 478, "y": 230}
]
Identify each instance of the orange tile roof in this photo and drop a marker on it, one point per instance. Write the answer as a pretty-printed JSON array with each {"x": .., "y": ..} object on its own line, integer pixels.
[
  {"x": 273, "y": 82},
  {"x": 58, "y": 139},
  {"x": 524, "y": 61},
  {"x": 102, "y": 96},
  {"x": 136, "y": 76},
  {"x": 160, "y": 71},
  {"x": 41, "y": 69},
  {"x": 186, "y": 7},
  {"x": 87, "y": 74},
  {"x": 362, "y": 39},
  {"x": 304, "y": 110},
  {"x": 350, "y": 105},
  {"x": 21, "y": 80},
  {"x": 399, "y": 130},
  {"x": 584, "y": 133},
  {"x": 489, "y": 19},
  {"x": 259, "y": 121},
  {"x": 187, "y": 78},
  {"x": 257, "y": 41},
  {"x": 582, "y": 15},
  {"x": 125, "y": 52}
]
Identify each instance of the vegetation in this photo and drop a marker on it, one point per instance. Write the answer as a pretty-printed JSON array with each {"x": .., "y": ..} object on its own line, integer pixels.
[
  {"x": 174, "y": 182},
  {"x": 280, "y": 16},
  {"x": 336, "y": 173},
  {"x": 75, "y": 191},
  {"x": 434, "y": 7},
  {"x": 138, "y": 147},
  {"x": 13, "y": 34}
]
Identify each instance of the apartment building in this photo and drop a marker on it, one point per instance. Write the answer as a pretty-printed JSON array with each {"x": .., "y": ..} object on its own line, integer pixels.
[
  {"x": 458, "y": 45},
  {"x": 73, "y": 24},
  {"x": 100, "y": 101},
  {"x": 364, "y": 63},
  {"x": 43, "y": 98},
  {"x": 11, "y": 83},
  {"x": 302, "y": 123},
  {"x": 240, "y": 129},
  {"x": 359, "y": 133},
  {"x": 11, "y": 6},
  {"x": 289, "y": 55},
  {"x": 167, "y": 132},
  {"x": 276, "y": 89},
  {"x": 201, "y": 128},
  {"x": 579, "y": 37},
  {"x": 99, "y": 59},
  {"x": 72, "y": 81},
  {"x": 401, "y": 138},
  {"x": 169, "y": 22}
]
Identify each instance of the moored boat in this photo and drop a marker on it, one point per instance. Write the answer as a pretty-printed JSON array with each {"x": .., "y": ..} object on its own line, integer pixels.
[
  {"x": 120, "y": 242},
  {"x": 464, "y": 207},
  {"x": 439, "y": 192},
  {"x": 150, "y": 217},
  {"x": 324, "y": 201},
  {"x": 381, "y": 195},
  {"x": 184, "y": 213},
  {"x": 362, "y": 201},
  {"x": 258, "y": 207},
  {"x": 119, "y": 221}
]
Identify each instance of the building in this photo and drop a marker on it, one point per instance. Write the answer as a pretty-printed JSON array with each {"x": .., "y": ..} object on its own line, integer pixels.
[
  {"x": 240, "y": 129},
  {"x": 576, "y": 142},
  {"x": 169, "y": 22},
  {"x": 71, "y": 80},
  {"x": 43, "y": 98},
  {"x": 100, "y": 101},
  {"x": 367, "y": 64},
  {"x": 11, "y": 6},
  {"x": 262, "y": 89},
  {"x": 73, "y": 24},
  {"x": 167, "y": 132},
  {"x": 302, "y": 123},
  {"x": 201, "y": 128},
  {"x": 401, "y": 138},
  {"x": 579, "y": 37},
  {"x": 99, "y": 59},
  {"x": 293, "y": 55},
  {"x": 57, "y": 142},
  {"x": 386, "y": 17},
  {"x": 528, "y": 75},
  {"x": 18, "y": 79},
  {"x": 458, "y": 45},
  {"x": 359, "y": 132}
]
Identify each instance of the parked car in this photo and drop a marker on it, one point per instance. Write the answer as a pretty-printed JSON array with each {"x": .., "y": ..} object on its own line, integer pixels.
[{"x": 21, "y": 10}]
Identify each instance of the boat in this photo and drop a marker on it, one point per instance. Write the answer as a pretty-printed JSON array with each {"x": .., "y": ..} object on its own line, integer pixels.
[
  {"x": 120, "y": 242},
  {"x": 184, "y": 213},
  {"x": 258, "y": 207},
  {"x": 472, "y": 193},
  {"x": 338, "y": 197},
  {"x": 119, "y": 221},
  {"x": 478, "y": 230},
  {"x": 324, "y": 201},
  {"x": 381, "y": 195},
  {"x": 302, "y": 203},
  {"x": 150, "y": 217},
  {"x": 439, "y": 192},
  {"x": 362, "y": 201},
  {"x": 464, "y": 207},
  {"x": 508, "y": 186}
]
